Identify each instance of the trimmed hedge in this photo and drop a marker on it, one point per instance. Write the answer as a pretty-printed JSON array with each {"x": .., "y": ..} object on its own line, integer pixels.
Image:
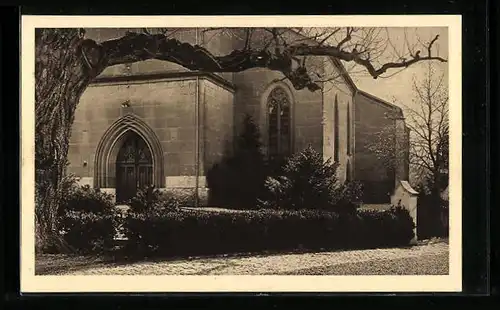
[
  {"x": 88, "y": 232},
  {"x": 177, "y": 232},
  {"x": 87, "y": 220},
  {"x": 393, "y": 227}
]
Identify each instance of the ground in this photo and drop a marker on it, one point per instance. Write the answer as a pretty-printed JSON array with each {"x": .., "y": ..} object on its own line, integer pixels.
[{"x": 426, "y": 258}]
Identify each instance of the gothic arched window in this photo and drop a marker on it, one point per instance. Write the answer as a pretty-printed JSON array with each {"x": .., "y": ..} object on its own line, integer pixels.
[{"x": 279, "y": 130}]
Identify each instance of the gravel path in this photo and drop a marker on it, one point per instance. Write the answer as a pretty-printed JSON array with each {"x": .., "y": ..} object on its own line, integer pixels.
[
  {"x": 421, "y": 259},
  {"x": 435, "y": 264}
]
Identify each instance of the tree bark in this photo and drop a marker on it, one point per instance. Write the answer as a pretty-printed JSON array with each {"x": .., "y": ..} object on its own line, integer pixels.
[{"x": 61, "y": 77}]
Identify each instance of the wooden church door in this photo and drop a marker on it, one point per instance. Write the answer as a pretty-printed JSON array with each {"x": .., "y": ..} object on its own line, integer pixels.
[{"x": 134, "y": 167}]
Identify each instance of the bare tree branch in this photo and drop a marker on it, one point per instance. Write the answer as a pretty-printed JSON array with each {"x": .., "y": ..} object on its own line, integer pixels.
[
  {"x": 427, "y": 119},
  {"x": 328, "y": 36},
  {"x": 142, "y": 46},
  {"x": 429, "y": 47}
]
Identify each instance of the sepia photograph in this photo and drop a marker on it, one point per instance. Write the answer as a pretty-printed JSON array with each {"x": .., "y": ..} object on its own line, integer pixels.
[{"x": 295, "y": 150}]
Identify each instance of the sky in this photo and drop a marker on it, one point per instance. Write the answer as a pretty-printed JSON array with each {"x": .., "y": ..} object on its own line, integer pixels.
[{"x": 397, "y": 88}]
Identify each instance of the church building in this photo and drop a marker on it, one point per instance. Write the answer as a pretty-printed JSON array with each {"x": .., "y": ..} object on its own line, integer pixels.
[{"x": 155, "y": 122}]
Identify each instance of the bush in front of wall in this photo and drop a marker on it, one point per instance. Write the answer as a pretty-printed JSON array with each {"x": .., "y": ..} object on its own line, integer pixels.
[
  {"x": 237, "y": 181},
  {"x": 151, "y": 198},
  {"x": 310, "y": 182},
  {"x": 87, "y": 219},
  {"x": 307, "y": 182},
  {"x": 347, "y": 197}
]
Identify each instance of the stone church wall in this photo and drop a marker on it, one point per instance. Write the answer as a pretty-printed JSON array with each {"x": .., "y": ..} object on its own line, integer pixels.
[
  {"x": 164, "y": 97},
  {"x": 218, "y": 127},
  {"x": 165, "y": 106},
  {"x": 371, "y": 117},
  {"x": 338, "y": 88},
  {"x": 253, "y": 87}
]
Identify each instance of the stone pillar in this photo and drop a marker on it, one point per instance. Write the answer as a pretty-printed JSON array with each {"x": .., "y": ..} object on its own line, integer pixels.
[{"x": 408, "y": 197}]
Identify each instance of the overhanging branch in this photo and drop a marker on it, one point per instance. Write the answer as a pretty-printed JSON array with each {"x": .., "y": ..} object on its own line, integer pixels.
[{"x": 135, "y": 47}]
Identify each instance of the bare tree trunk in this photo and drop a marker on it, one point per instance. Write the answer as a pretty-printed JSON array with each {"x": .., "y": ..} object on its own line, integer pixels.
[{"x": 61, "y": 77}]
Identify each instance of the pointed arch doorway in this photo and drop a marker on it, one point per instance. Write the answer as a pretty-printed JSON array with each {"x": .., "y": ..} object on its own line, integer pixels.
[
  {"x": 134, "y": 167},
  {"x": 133, "y": 139}
]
